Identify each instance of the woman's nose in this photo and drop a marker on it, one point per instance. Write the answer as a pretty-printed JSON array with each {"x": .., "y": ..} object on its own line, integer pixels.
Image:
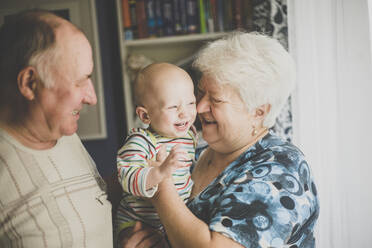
[{"x": 203, "y": 105}]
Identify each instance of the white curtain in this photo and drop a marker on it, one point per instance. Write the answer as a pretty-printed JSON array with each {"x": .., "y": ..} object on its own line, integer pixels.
[{"x": 332, "y": 111}]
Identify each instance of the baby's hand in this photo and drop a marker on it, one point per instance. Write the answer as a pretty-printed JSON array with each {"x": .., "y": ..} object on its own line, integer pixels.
[
  {"x": 162, "y": 154},
  {"x": 177, "y": 158},
  {"x": 165, "y": 165},
  {"x": 160, "y": 157}
]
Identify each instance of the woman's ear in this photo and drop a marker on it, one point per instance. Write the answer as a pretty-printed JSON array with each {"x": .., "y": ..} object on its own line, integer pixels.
[
  {"x": 26, "y": 81},
  {"x": 263, "y": 110},
  {"x": 143, "y": 115}
]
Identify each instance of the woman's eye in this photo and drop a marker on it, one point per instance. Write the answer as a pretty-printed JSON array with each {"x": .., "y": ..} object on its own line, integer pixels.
[
  {"x": 172, "y": 107},
  {"x": 199, "y": 94},
  {"x": 192, "y": 103},
  {"x": 215, "y": 100}
]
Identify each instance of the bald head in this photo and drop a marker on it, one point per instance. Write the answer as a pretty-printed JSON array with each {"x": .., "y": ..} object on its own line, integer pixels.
[
  {"x": 26, "y": 39},
  {"x": 153, "y": 77}
]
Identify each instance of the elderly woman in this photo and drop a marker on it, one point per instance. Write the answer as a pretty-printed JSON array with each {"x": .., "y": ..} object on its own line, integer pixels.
[{"x": 251, "y": 188}]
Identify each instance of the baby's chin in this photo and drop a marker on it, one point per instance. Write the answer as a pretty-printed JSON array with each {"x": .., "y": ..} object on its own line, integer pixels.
[{"x": 176, "y": 133}]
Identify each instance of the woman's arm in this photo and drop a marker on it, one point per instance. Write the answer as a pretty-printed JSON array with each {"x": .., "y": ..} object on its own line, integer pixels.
[{"x": 183, "y": 228}]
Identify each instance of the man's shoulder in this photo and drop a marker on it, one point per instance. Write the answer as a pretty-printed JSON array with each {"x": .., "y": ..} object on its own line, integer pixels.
[{"x": 68, "y": 141}]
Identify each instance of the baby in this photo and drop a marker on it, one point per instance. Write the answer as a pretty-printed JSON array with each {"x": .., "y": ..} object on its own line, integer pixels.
[{"x": 165, "y": 101}]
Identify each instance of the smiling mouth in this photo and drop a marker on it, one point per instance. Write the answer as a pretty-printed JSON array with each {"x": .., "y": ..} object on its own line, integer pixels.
[
  {"x": 182, "y": 124},
  {"x": 75, "y": 112},
  {"x": 206, "y": 121}
]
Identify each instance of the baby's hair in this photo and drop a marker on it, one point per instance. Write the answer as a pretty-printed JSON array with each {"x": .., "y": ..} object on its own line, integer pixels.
[
  {"x": 144, "y": 77},
  {"x": 139, "y": 88},
  {"x": 142, "y": 81}
]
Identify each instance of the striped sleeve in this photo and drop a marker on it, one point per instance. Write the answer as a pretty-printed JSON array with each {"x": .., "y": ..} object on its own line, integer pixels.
[{"x": 132, "y": 163}]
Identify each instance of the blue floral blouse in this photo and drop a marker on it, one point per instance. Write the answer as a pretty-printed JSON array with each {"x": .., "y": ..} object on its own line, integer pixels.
[{"x": 265, "y": 198}]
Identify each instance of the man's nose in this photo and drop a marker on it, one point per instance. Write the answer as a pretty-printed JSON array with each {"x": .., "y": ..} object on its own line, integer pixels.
[{"x": 90, "y": 95}]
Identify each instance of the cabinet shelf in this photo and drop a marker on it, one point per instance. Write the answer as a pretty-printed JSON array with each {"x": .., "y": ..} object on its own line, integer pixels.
[{"x": 173, "y": 39}]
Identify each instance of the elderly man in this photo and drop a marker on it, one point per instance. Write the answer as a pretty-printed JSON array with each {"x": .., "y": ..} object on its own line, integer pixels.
[{"x": 51, "y": 194}]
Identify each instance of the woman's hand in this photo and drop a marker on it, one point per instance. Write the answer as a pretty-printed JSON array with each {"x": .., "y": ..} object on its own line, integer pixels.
[{"x": 141, "y": 236}]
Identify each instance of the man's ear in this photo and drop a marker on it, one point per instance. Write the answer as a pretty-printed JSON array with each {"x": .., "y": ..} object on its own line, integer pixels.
[
  {"x": 262, "y": 111},
  {"x": 26, "y": 81},
  {"x": 143, "y": 115}
]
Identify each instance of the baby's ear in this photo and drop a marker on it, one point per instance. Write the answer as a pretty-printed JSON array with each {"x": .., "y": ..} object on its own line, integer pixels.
[{"x": 143, "y": 115}]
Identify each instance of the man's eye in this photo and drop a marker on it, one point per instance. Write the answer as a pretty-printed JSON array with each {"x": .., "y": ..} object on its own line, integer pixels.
[{"x": 83, "y": 82}]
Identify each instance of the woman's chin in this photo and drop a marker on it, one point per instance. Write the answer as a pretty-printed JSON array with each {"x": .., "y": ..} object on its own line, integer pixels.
[{"x": 209, "y": 134}]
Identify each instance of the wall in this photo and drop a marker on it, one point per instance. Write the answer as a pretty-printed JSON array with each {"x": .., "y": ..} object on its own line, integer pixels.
[{"x": 103, "y": 151}]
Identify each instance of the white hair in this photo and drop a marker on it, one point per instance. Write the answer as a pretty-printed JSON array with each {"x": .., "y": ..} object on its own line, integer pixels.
[
  {"x": 42, "y": 61},
  {"x": 257, "y": 66}
]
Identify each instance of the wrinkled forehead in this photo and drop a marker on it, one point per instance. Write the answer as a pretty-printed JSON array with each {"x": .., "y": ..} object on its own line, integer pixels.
[
  {"x": 71, "y": 42},
  {"x": 211, "y": 86},
  {"x": 68, "y": 34},
  {"x": 73, "y": 54},
  {"x": 208, "y": 83}
]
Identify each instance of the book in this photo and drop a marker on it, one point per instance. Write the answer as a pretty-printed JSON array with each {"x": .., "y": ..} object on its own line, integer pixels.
[
  {"x": 128, "y": 33},
  {"x": 150, "y": 17},
  {"x": 177, "y": 17},
  {"x": 168, "y": 21},
  {"x": 182, "y": 7},
  {"x": 179, "y": 10},
  {"x": 133, "y": 18},
  {"x": 238, "y": 14},
  {"x": 141, "y": 19},
  {"x": 210, "y": 15},
  {"x": 159, "y": 18},
  {"x": 202, "y": 18},
  {"x": 213, "y": 12},
  {"x": 247, "y": 17},
  {"x": 192, "y": 16},
  {"x": 228, "y": 15},
  {"x": 220, "y": 15}
]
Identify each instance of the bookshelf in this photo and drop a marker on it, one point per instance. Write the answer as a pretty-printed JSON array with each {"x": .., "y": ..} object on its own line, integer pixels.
[{"x": 173, "y": 49}]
